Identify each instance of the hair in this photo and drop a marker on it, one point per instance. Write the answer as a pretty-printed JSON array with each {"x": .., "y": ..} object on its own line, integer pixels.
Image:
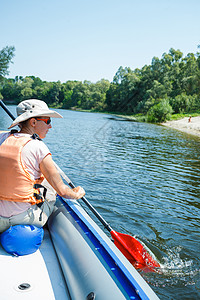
[{"x": 24, "y": 123}]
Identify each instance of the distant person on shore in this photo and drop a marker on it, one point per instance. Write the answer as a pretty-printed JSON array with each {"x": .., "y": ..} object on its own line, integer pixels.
[
  {"x": 189, "y": 120},
  {"x": 27, "y": 169}
]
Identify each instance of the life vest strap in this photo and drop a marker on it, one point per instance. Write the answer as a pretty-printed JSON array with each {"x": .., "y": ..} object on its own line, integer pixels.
[{"x": 35, "y": 136}]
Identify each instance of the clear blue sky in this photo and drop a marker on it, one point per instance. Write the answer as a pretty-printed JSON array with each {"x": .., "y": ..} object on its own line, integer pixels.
[{"x": 90, "y": 39}]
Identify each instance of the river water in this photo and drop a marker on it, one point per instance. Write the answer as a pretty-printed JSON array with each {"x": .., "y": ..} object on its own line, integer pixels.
[{"x": 144, "y": 180}]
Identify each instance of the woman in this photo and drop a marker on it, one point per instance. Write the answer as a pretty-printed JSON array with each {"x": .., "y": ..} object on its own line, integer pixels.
[{"x": 25, "y": 161}]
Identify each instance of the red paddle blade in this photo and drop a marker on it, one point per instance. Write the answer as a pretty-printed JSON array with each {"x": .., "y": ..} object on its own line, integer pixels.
[{"x": 134, "y": 251}]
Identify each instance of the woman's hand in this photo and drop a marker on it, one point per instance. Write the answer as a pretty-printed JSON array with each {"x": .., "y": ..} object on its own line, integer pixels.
[{"x": 79, "y": 191}]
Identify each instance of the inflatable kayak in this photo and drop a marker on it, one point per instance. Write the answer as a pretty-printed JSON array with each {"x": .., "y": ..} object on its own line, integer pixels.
[{"x": 76, "y": 260}]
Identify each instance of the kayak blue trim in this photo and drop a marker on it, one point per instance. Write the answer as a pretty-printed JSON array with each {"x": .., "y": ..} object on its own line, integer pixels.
[{"x": 128, "y": 284}]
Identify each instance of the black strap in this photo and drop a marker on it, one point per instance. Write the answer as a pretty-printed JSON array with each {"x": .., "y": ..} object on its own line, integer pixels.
[
  {"x": 13, "y": 131},
  {"x": 40, "y": 196},
  {"x": 35, "y": 136}
]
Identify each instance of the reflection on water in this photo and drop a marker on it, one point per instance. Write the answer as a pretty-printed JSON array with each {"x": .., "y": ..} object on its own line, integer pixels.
[{"x": 144, "y": 180}]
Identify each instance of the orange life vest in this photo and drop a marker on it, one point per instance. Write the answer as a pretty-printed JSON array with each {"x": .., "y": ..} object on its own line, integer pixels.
[{"x": 16, "y": 183}]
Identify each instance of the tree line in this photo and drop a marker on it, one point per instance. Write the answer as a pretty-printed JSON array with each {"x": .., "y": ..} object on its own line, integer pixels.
[{"x": 168, "y": 85}]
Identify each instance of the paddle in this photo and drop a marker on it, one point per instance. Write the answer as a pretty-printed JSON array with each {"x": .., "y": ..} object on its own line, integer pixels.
[{"x": 132, "y": 249}]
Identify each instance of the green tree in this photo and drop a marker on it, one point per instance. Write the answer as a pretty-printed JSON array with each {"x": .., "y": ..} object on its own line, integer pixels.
[
  {"x": 6, "y": 55},
  {"x": 184, "y": 103},
  {"x": 190, "y": 72},
  {"x": 112, "y": 97},
  {"x": 160, "y": 112},
  {"x": 52, "y": 93},
  {"x": 27, "y": 93},
  {"x": 122, "y": 95},
  {"x": 11, "y": 90},
  {"x": 99, "y": 94},
  {"x": 24, "y": 86},
  {"x": 66, "y": 92}
]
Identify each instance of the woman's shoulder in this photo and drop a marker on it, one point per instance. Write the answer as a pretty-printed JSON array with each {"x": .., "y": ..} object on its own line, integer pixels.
[
  {"x": 38, "y": 146},
  {"x": 35, "y": 150}
]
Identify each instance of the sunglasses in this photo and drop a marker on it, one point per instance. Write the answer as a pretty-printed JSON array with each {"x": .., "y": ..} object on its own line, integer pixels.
[{"x": 47, "y": 121}]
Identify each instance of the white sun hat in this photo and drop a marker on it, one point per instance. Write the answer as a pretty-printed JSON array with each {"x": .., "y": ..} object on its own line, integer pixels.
[{"x": 33, "y": 108}]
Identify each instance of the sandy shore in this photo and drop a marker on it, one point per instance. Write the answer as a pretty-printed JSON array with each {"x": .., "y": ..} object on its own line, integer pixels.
[{"x": 183, "y": 125}]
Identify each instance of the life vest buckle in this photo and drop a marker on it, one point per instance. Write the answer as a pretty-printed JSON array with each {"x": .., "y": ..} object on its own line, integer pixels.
[{"x": 38, "y": 195}]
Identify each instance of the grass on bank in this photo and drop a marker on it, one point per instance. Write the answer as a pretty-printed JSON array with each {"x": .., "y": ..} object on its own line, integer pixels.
[{"x": 181, "y": 116}]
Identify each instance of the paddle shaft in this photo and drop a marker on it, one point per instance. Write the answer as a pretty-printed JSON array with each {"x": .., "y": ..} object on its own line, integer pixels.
[
  {"x": 95, "y": 212},
  {"x": 7, "y": 110}
]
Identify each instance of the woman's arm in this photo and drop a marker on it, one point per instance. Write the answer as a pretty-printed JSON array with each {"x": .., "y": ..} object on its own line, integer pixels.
[{"x": 51, "y": 174}]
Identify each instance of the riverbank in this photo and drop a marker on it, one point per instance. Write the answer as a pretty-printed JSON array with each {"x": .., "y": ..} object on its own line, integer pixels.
[
  {"x": 192, "y": 127},
  {"x": 183, "y": 124}
]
